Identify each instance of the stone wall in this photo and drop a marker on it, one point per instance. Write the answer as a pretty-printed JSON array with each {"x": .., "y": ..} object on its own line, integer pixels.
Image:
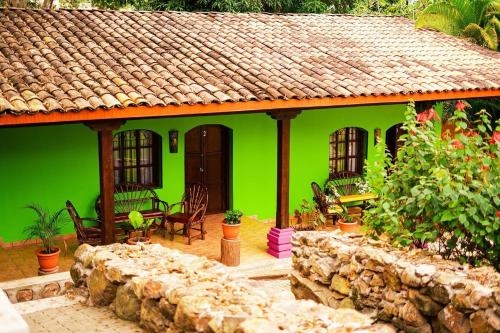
[
  {"x": 39, "y": 287},
  {"x": 169, "y": 291},
  {"x": 414, "y": 290}
]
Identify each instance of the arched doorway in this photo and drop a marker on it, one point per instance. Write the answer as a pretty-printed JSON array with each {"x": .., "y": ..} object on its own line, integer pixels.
[
  {"x": 392, "y": 139},
  {"x": 206, "y": 160}
]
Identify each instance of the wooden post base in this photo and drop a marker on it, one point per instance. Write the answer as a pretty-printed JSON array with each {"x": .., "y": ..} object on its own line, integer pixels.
[{"x": 230, "y": 252}]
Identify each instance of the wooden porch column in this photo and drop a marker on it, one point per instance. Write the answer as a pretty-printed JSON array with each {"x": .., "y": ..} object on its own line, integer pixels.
[
  {"x": 104, "y": 131},
  {"x": 283, "y": 172},
  {"x": 279, "y": 237}
]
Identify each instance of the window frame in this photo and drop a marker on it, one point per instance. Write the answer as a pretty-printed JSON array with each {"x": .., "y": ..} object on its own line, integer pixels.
[
  {"x": 340, "y": 137},
  {"x": 156, "y": 158}
]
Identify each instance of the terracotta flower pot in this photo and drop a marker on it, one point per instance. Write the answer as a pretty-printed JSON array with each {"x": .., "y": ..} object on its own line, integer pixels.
[
  {"x": 348, "y": 226},
  {"x": 231, "y": 231},
  {"x": 48, "y": 261},
  {"x": 138, "y": 240}
]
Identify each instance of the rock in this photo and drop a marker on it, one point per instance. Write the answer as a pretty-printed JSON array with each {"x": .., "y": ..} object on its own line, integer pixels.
[
  {"x": 391, "y": 278},
  {"x": 102, "y": 291},
  {"x": 24, "y": 295},
  {"x": 389, "y": 311},
  {"x": 50, "y": 290},
  {"x": 361, "y": 287},
  {"x": 167, "y": 309},
  {"x": 324, "y": 267},
  {"x": 377, "y": 281},
  {"x": 493, "y": 319},
  {"x": 410, "y": 278},
  {"x": 193, "y": 314},
  {"x": 152, "y": 318},
  {"x": 479, "y": 323},
  {"x": 454, "y": 320},
  {"x": 480, "y": 297},
  {"x": 426, "y": 328},
  {"x": 303, "y": 288},
  {"x": 424, "y": 303},
  {"x": 127, "y": 305},
  {"x": 440, "y": 294},
  {"x": 462, "y": 301},
  {"x": 411, "y": 316},
  {"x": 346, "y": 303},
  {"x": 85, "y": 254},
  {"x": 341, "y": 285}
]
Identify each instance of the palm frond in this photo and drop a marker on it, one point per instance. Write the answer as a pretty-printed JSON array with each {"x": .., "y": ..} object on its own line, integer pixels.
[
  {"x": 483, "y": 36},
  {"x": 442, "y": 16},
  {"x": 45, "y": 226}
]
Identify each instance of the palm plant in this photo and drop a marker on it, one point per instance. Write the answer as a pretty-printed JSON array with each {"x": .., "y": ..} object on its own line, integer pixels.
[
  {"x": 46, "y": 226},
  {"x": 477, "y": 20}
]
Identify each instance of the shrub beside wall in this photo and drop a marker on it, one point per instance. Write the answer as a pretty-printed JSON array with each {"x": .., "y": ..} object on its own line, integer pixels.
[{"x": 414, "y": 290}]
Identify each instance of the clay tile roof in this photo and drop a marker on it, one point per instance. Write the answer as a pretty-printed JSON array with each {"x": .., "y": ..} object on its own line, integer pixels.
[{"x": 71, "y": 60}]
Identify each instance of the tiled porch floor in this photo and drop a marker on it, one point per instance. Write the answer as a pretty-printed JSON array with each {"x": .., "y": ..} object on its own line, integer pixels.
[{"x": 21, "y": 262}]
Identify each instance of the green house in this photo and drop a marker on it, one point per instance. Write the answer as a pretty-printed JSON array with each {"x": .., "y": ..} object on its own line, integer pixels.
[{"x": 254, "y": 106}]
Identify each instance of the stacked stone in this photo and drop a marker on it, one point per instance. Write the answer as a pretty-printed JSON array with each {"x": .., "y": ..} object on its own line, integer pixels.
[
  {"x": 415, "y": 290},
  {"x": 169, "y": 291}
]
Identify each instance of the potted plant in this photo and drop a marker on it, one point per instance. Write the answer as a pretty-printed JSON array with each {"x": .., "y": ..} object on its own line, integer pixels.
[
  {"x": 231, "y": 224},
  {"x": 309, "y": 217},
  {"x": 138, "y": 223},
  {"x": 346, "y": 222},
  {"x": 46, "y": 227}
]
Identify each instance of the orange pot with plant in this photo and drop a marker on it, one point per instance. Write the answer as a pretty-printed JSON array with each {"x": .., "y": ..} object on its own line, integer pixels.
[
  {"x": 231, "y": 224},
  {"x": 46, "y": 227},
  {"x": 346, "y": 222},
  {"x": 140, "y": 227}
]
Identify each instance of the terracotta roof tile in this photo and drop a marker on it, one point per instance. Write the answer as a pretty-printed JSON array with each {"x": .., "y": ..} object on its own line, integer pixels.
[{"x": 71, "y": 60}]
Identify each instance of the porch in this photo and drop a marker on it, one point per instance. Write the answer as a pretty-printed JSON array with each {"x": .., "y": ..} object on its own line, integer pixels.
[{"x": 20, "y": 262}]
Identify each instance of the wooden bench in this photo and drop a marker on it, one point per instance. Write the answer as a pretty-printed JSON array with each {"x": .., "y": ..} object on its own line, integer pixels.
[{"x": 139, "y": 198}]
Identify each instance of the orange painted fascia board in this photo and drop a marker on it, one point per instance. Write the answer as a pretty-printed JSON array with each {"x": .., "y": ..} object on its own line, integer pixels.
[{"x": 233, "y": 107}]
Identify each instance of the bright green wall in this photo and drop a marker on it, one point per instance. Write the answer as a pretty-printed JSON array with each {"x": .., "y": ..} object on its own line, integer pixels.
[
  {"x": 45, "y": 165},
  {"x": 50, "y": 164}
]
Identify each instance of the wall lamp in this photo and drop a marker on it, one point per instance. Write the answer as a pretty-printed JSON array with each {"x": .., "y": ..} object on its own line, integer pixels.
[{"x": 173, "y": 140}]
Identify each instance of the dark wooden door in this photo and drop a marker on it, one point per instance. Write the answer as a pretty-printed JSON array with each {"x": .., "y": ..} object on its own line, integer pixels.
[
  {"x": 207, "y": 163},
  {"x": 392, "y": 141}
]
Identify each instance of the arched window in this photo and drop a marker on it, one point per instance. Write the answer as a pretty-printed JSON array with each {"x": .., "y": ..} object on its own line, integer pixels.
[
  {"x": 137, "y": 158},
  {"x": 348, "y": 150}
]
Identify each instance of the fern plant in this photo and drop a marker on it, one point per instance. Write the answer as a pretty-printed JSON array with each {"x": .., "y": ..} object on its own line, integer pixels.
[
  {"x": 477, "y": 20},
  {"x": 46, "y": 226}
]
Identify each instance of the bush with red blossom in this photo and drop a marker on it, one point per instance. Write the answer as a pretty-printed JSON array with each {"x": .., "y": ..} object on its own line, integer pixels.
[{"x": 444, "y": 191}]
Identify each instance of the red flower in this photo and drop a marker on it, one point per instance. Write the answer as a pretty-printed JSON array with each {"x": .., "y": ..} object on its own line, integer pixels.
[
  {"x": 460, "y": 105},
  {"x": 422, "y": 117},
  {"x": 471, "y": 134},
  {"x": 495, "y": 138},
  {"x": 485, "y": 168},
  {"x": 498, "y": 213},
  {"x": 467, "y": 158},
  {"x": 457, "y": 144},
  {"x": 432, "y": 114},
  {"x": 427, "y": 115}
]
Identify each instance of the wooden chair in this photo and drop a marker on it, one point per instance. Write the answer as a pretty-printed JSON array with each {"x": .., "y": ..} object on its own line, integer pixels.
[
  {"x": 89, "y": 235},
  {"x": 345, "y": 182},
  {"x": 191, "y": 213},
  {"x": 326, "y": 208}
]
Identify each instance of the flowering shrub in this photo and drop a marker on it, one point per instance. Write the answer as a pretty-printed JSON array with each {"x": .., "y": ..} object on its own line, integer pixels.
[{"x": 443, "y": 191}]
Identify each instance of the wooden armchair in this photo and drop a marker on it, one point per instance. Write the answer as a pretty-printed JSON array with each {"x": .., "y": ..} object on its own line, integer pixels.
[
  {"x": 191, "y": 213},
  {"x": 328, "y": 209},
  {"x": 89, "y": 235},
  {"x": 345, "y": 182}
]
